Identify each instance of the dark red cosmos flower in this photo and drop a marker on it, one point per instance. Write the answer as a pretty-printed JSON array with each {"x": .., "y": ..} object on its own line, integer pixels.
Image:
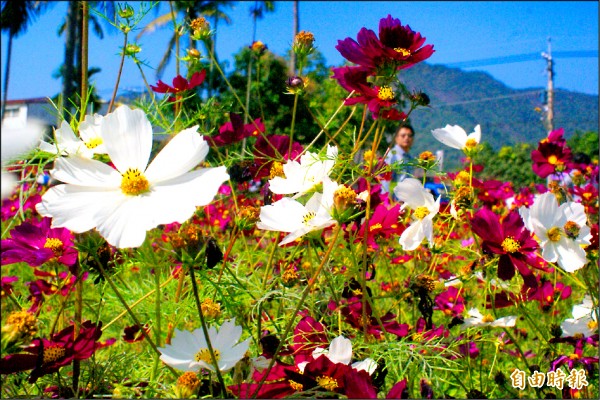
[
  {"x": 308, "y": 335},
  {"x": 492, "y": 191},
  {"x": 180, "y": 85},
  {"x": 379, "y": 100},
  {"x": 235, "y": 130},
  {"x": 351, "y": 309},
  {"x": 6, "y": 286},
  {"x": 45, "y": 356},
  {"x": 133, "y": 333},
  {"x": 551, "y": 156},
  {"x": 37, "y": 243},
  {"x": 272, "y": 147},
  {"x": 397, "y": 47},
  {"x": 510, "y": 241}
]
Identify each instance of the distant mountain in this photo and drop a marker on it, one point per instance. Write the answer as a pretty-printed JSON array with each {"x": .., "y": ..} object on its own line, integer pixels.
[{"x": 507, "y": 116}]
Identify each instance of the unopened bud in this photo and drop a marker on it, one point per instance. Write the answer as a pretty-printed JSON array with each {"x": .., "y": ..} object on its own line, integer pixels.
[
  {"x": 344, "y": 203},
  {"x": 187, "y": 384},
  {"x": 420, "y": 99},
  {"x": 132, "y": 49},
  {"x": 303, "y": 43},
  {"x": 258, "y": 47},
  {"x": 200, "y": 29},
  {"x": 126, "y": 11}
]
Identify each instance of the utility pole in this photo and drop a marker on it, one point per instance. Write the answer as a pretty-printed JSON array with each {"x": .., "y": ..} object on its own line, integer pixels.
[{"x": 550, "y": 88}]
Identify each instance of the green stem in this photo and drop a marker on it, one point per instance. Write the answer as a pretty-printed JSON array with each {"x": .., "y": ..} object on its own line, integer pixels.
[
  {"x": 114, "y": 95},
  {"x": 84, "y": 56},
  {"x": 288, "y": 327},
  {"x": 205, "y": 330},
  {"x": 293, "y": 122}
]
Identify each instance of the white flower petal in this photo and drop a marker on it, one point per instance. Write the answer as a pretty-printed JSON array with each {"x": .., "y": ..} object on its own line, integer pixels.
[
  {"x": 123, "y": 223},
  {"x": 340, "y": 350},
  {"x": 127, "y": 135},
  {"x": 284, "y": 215},
  {"x": 451, "y": 135},
  {"x": 412, "y": 236},
  {"x": 183, "y": 152},
  {"x": 81, "y": 171}
]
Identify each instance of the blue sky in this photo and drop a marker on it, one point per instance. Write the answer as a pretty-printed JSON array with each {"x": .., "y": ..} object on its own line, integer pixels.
[{"x": 459, "y": 31}]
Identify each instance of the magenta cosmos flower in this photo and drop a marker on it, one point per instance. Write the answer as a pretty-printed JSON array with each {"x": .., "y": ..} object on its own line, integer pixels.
[
  {"x": 398, "y": 47},
  {"x": 37, "y": 243},
  {"x": 552, "y": 155},
  {"x": 45, "y": 356},
  {"x": 235, "y": 130},
  {"x": 180, "y": 85},
  {"x": 379, "y": 99},
  {"x": 509, "y": 240}
]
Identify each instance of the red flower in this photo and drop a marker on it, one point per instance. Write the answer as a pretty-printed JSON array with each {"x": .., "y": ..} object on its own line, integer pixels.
[
  {"x": 235, "y": 130},
  {"x": 397, "y": 47},
  {"x": 383, "y": 223},
  {"x": 552, "y": 155},
  {"x": 45, "y": 356},
  {"x": 379, "y": 100},
  {"x": 180, "y": 84},
  {"x": 37, "y": 244},
  {"x": 511, "y": 241}
]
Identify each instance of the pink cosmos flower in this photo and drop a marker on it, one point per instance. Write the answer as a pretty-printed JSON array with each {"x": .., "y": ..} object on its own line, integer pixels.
[
  {"x": 235, "y": 130},
  {"x": 37, "y": 243}
]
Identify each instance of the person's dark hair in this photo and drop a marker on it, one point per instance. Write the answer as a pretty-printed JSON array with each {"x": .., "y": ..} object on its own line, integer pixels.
[{"x": 407, "y": 126}]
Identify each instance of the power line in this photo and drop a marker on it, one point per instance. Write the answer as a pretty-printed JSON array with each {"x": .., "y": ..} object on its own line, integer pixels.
[
  {"x": 508, "y": 96},
  {"x": 522, "y": 57}
]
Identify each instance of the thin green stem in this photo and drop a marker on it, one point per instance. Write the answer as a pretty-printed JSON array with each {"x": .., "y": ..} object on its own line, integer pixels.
[
  {"x": 205, "y": 330},
  {"x": 288, "y": 328},
  {"x": 294, "y": 109},
  {"x": 114, "y": 95}
]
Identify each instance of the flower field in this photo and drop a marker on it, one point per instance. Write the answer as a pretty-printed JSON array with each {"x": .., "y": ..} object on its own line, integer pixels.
[{"x": 182, "y": 245}]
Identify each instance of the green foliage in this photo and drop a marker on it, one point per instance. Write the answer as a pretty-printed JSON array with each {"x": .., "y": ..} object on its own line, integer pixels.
[{"x": 585, "y": 142}]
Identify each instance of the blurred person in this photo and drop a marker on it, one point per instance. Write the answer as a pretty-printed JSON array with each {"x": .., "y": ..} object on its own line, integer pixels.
[{"x": 400, "y": 153}]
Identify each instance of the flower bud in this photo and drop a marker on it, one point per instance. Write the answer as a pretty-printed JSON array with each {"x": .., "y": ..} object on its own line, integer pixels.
[
  {"x": 187, "y": 384},
  {"x": 303, "y": 43},
  {"x": 295, "y": 85},
  {"x": 200, "y": 29},
  {"x": 126, "y": 11},
  {"x": 193, "y": 53},
  {"x": 344, "y": 203},
  {"x": 419, "y": 98},
  {"x": 258, "y": 47},
  {"x": 210, "y": 309},
  {"x": 132, "y": 49}
]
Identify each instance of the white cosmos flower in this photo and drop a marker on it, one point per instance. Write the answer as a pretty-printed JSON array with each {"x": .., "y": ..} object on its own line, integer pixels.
[
  {"x": 301, "y": 177},
  {"x": 415, "y": 196},
  {"x": 125, "y": 202},
  {"x": 66, "y": 143},
  {"x": 340, "y": 352},
  {"x": 477, "y": 319},
  {"x": 17, "y": 142},
  {"x": 289, "y": 215},
  {"x": 561, "y": 230},
  {"x": 456, "y": 137},
  {"x": 188, "y": 351},
  {"x": 584, "y": 321}
]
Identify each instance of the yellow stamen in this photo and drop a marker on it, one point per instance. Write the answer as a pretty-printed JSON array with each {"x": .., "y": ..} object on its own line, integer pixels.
[
  {"x": 471, "y": 144},
  {"x": 327, "y": 383},
  {"x": 510, "y": 245},
  {"x": 93, "y": 143},
  {"x": 385, "y": 93},
  {"x": 276, "y": 170},
  {"x": 552, "y": 159},
  {"x": 298, "y": 387},
  {"x": 571, "y": 229},
  {"x": 488, "y": 318},
  {"x": 421, "y": 212},
  {"x": 308, "y": 216},
  {"x": 134, "y": 182},
  {"x": 204, "y": 355},
  {"x": 54, "y": 244},
  {"x": 53, "y": 353},
  {"x": 404, "y": 52},
  {"x": 554, "y": 233}
]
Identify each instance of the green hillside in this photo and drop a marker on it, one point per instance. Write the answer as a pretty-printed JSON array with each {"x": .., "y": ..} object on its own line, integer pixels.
[{"x": 507, "y": 116}]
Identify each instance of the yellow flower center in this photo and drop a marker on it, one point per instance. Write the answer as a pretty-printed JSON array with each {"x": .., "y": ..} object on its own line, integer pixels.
[
  {"x": 54, "y": 244},
  {"x": 210, "y": 308},
  {"x": 189, "y": 380},
  {"x": 327, "y": 383},
  {"x": 375, "y": 227},
  {"x": 298, "y": 387},
  {"x": 470, "y": 144},
  {"x": 22, "y": 322},
  {"x": 554, "y": 234},
  {"x": 426, "y": 156},
  {"x": 488, "y": 318},
  {"x": 134, "y": 182},
  {"x": 368, "y": 156},
  {"x": 552, "y": 159},
  {"x": 204, "y": 355},
  {"x": 571, "y": 229},
  {"x": 403, "y": 51},
  {"x": 308, "y": 216},
  {"x": 385, "y": 93},
  {"x": 276, "y": 170},
  {"x": 592, "y": 325},
  {"x": 93, "y": 143},
  {"x": 53, "y": 353},
  {"x": 510, "y": 245},
  {"x": 421, "y": 212}
]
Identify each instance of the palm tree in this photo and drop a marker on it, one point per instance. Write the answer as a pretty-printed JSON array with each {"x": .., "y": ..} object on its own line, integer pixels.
[
  {"x": 296, "y": 17},
  {"x": 15, "y": 17}
]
